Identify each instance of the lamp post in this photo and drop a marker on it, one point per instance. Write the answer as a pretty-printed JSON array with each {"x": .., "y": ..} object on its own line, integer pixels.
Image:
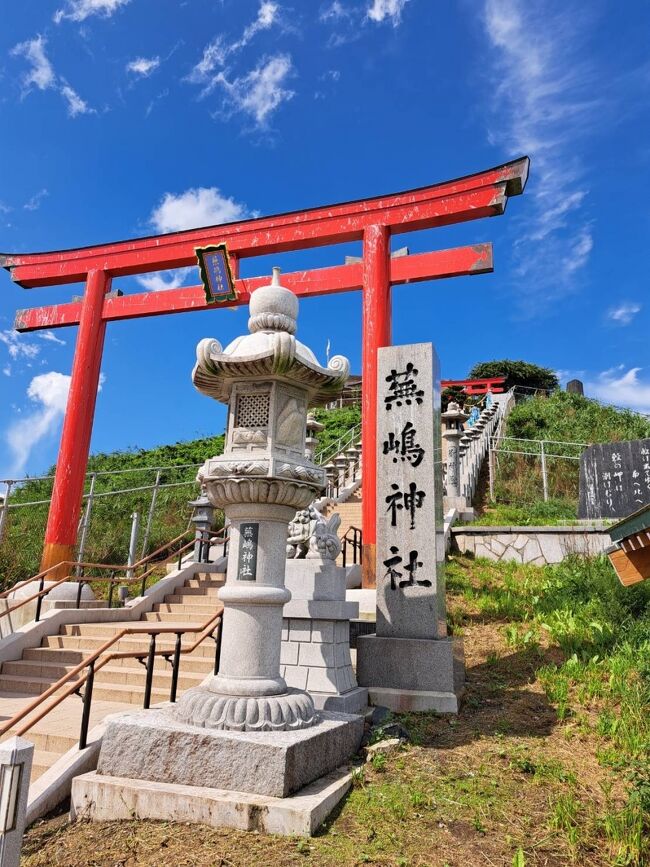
[{"x": 454, "y": 419}]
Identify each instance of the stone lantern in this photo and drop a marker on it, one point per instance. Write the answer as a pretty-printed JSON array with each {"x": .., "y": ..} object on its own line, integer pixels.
[
  {"x": 203, "y": 520},
  {"x": 314, "y": 427},
  {"x": 454, "y": 419},
  {"x": 267, "y": 378}
]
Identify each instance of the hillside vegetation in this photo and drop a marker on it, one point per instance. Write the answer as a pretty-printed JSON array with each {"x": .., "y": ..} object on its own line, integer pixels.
[
  {"x": 547, "y": 763},
  {"x": 559, "y": 418},
  {"x": 110, "y": 525}
]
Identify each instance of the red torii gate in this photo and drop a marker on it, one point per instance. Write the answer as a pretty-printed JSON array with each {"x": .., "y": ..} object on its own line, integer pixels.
[{"x": 372, "y": 221}]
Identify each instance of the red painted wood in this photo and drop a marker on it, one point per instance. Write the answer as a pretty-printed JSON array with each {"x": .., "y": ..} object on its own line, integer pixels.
[
  {"x": 461, "y": 261},
  {"x": 480, "y": 195},
  {"x": 476, "y": 386},
  {"x": 77, "y": 425},
  {"x": 377, "y": 317}
]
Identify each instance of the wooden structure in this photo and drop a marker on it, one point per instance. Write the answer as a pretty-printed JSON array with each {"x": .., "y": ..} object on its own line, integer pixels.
[
  {"x": 471, "y": 387},
  {"x": 372, "y": 221},
  {"x": 630, "y": 552}
]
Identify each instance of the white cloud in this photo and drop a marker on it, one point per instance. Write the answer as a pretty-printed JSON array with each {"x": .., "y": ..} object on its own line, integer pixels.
[
  {"x": 6, "y": 370},
  {"x": 261, "y": 91},
  {"x": 621, "y": 388},
  {"x": 51, "y": 337},
  {"x": 382, "y": 10},
  {"x": 34, "y": 203},
  {"x": 143, "y": 66},
  {"x": 41, "y": 73},
  {"x": 164, "y": 280},
  {"x": 218, "y": 50},
  {"x": 79, "y": 10},
  {"x": 76, "y": 105},
  {"x": 624, "y": 313},
  {"x": 50, "y": 392},
  {"x": 17, "y": 346},
  {"x": 199, "y": 206},
  {"x": 42, "y": 76},
  {"x": 335, "y": 11},
  {"x": 543, "y": 103}
]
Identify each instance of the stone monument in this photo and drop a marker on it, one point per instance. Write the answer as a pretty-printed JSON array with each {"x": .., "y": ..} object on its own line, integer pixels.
[
  {"x": 245, "y": 730},
  {"x": 410, "y": 664},
  {"x": 614, "y": 479},
  {"x": 454, "y": 419}
]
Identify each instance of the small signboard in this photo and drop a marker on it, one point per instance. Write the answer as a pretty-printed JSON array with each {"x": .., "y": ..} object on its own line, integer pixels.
[
  {"x": 614, "y": 479},
  {"x": 247, "y": 562},
  {"x": 216, "y": 275}
]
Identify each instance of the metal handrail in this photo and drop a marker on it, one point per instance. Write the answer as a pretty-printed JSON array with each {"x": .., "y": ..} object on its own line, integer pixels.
[
  {"x": 43, "y": 591},
  {"x": 356, "y": 542},
  {"x": 338, "y": 445},
  {"x": 205, "y": 630}
]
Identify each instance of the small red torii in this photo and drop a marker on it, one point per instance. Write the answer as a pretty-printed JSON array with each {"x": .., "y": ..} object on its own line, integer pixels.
[
  {"x": 371, "y": 221},
  {"x": 495, "y": 384}
]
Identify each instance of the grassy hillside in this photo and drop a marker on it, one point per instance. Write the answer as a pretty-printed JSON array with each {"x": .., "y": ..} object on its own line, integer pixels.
[
  {"x": 546, "y": 765},
  {"x": 564, "y": 418},
  {"x": 110, "y": 525}
]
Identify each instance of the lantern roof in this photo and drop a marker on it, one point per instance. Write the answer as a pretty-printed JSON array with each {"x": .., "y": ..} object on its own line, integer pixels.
[{"x": 269, "y": 351}]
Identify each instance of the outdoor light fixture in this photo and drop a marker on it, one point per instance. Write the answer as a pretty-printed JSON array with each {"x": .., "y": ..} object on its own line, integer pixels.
[
  {"x": 10, "y": 780},
  {"x": 216, "y": 275}
]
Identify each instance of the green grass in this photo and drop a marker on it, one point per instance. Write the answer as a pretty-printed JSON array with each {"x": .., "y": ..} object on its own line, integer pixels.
[
  {"x": 535, "y": 514},
  {"x": 601, "y": 685}
]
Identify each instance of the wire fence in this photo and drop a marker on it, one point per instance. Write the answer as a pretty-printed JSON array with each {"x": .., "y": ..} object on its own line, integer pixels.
[
  {"x": 157, "y": 495},
  {"x": 521, "y": 470}
]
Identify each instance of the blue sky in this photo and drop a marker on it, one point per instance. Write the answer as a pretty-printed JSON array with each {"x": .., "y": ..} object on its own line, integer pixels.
[{"x": 126, "y": 117}]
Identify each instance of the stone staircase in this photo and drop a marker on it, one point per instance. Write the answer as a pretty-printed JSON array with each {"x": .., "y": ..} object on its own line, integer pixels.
[{"x": 120, "y": 684}]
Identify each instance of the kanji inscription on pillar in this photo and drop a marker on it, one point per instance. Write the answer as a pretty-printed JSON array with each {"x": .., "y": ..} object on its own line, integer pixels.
[
  {"x": 410, "y": 585},
  {"x": 247, "y": 562}
]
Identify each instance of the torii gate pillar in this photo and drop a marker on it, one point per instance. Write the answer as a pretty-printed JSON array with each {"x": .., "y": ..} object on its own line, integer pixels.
[{"x": 377, "y": 332}]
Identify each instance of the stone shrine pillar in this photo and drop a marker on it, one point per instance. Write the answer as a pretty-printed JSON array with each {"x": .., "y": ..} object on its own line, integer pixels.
[{"x": 410, "y": 664}]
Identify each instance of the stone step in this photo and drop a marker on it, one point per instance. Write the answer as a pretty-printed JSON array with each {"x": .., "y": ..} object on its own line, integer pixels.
[
  {"x": 89, "y": 644},
  {"x": 206, "y": 583},
  {"x": 162, "y": 676},
  {"x": 180, "y": 617},
  {"x": 133, "y": 675},
  {"x": 194, "y": 592},
  {"x": 183, "y": 599},
  {"x": 32, "y": 685},
  {"x": 43, "y": 761},
  {"x": 52, "y": 742},
  {"x": 206, "y": 608}
]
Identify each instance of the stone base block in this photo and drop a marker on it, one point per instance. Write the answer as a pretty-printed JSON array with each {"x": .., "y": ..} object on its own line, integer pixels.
[
  {"x": 406, "y": 701},
  {"x": 107, "y": 799},
  {"x": 355, "y": 701},
  {"x": 412, "y": 666},
  {"x": 152, "y": 745}
]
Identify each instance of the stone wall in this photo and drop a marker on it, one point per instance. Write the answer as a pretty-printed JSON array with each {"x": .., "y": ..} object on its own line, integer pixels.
[{"x": 537, "y": 545}]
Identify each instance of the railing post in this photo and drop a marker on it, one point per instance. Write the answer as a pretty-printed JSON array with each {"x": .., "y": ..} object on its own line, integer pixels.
[
  {"x": 491, "y": 468},
  {"x": 152, "y": 507},
  {"x": 175, "y": 666},
  {"x": 85, "y": 715},
  {"x": 86, "y": 524},
  {"x": 217, "y": 646},
  {"x": 4, "y": 511},
  {"x": 544, "y": 475},
  {"x": 135, "y": 526},
  {"x": 151, "y": 659},
  {"x": 39, "y": 601},
  {"x": 80, "y": 585}
]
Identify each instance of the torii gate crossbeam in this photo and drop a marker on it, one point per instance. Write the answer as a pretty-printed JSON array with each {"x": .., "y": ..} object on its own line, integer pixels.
[{"x": 372, "y": 221}]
